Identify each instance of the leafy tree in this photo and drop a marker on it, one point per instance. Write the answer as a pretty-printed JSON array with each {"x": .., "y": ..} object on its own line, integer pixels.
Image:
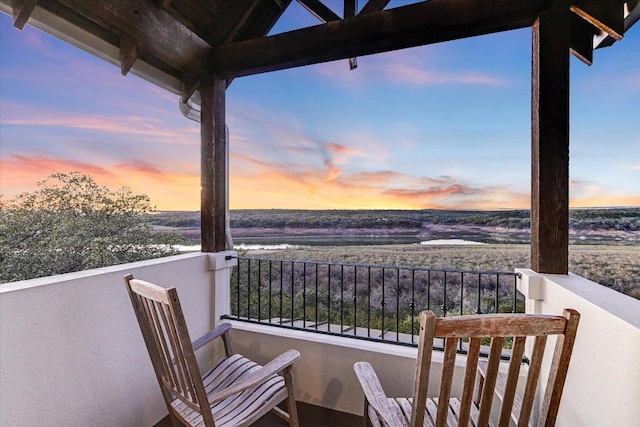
[{"x": 70, "y": 224}]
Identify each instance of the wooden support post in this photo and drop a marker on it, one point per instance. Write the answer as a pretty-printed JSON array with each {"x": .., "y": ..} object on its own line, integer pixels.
[
  {"x": 550, "y": 143},
  {"x": 213, "y": 164}
]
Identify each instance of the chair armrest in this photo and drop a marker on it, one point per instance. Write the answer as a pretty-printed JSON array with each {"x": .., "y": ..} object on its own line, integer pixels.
[
  {"x": 374, "y": 393},
  {"x": 258, "y": 376},
  {"x": 211, "y": 335}
]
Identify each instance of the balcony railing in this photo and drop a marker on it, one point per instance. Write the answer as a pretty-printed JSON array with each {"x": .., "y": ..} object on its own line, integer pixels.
[{"x": 372, "y": 302}]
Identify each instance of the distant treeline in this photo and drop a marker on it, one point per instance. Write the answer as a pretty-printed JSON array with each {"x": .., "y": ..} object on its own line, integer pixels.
[{"x": 625, "y": 219}]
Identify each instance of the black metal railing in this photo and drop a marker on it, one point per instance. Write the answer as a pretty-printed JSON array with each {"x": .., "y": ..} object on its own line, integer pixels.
[{"x": 373, "y": 302}]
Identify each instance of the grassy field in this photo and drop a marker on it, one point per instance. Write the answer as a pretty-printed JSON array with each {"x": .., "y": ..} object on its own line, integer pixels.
[{"x": 617, "y": 267}]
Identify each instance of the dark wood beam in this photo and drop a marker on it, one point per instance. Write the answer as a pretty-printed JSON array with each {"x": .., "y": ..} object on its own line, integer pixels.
[
  {"x": 408, "y": 26},
  {"x": 241, "y": 21},
  {"x": 350, "y": 8},
  {"x": 128, "y": 53},
  {"x": 213, "y": 198},
  {"x": 374, "y": 6},
  {"x": 582, "y": 34},
  {"x": 158, "y": 32},
  {"x": 550, "y": 143},
  {"x": 607, "y": 15},
  {"x": 22, "y": 10},
  {"x": 319, "y": 10}
]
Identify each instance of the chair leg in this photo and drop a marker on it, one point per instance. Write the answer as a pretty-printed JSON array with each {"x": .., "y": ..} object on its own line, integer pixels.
[
  {"x": 291, "y": 400},
  {"x": 365, "y": 417}
]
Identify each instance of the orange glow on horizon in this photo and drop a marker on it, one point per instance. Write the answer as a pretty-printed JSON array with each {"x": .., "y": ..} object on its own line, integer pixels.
[{"x": 270, "y": 188}]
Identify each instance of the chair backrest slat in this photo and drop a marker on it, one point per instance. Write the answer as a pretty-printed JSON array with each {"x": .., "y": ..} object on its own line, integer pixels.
[
  {"x": 176, "y": 354},
  {"x": 535, "y": 365},
  {"x": 486, "y": 400},
  {"x": 471, "y": 370},
  {"x": 167, "y": 338},
  {"x": 558, "y": 372},
  {"x": 500, "y": 328},
  {"x": 448, "y": 367},
  {"x": 423, "y": 367},
  {"x": 170, "y": 376},
  {"x": 512, "y": 381}
]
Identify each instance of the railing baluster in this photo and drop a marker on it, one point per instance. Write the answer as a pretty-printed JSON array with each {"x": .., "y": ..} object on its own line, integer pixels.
[
  {"x": 238, "y": 303},
  {"x": 382, "y": 302},
  {"x": 304, "y": 295},
  {"x": 478, "y": 307},
  {"x": 428, "y": 289},
  {"x": 292, "y": 293},
  {"x": 342, "y": 299},
  {"x": 249, "y": 289},
  {"x": 355, "y": 299},
  {"x": 270, "y": 289},
  {"x": 369, "y": 302},
  {"x": 444, "y": 296},
  {"x": 329, "y": 298},
  {"x": 259, "y": 286},
  {"x": 413, "y": 302},
  {"x": 515, "y": 294},
  {"x": 281, "y": 282},
  {"x": 316, "y": 299},
  {"x": 398, "y": 304},
  {"x": 497, "y": 290}
]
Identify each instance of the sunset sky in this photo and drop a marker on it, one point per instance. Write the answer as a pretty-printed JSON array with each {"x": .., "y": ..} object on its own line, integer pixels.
[{"x": 442, "y": 126}]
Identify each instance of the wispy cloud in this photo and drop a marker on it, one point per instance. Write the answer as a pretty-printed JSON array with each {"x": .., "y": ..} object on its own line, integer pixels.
[
  {"x": 28, "y": 115},
  {"x": 275, "y": 184},
  {"x": 402, "y": 68}
]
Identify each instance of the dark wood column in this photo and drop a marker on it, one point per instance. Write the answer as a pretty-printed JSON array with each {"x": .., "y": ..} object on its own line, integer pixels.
[
  {"x": 213, "y": 169},
  {"x": 550, "y": 143}
]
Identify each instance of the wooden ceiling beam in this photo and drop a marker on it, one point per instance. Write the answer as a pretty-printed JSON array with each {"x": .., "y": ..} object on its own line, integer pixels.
[
  {"x": 158, "y": 32},
  {"x": 350, "y": 8},
  {"x": 241, "y": 22},
  {"x": 319, "y": 10},
  {"x": 408, "y": 26},
  {"x": 374, "y": 6},
  {"x": 128, "y": 53},
  {"x": 22, "y": 10},
  {"x": 607, "y": 15},
  {"x": 582, "y": 39}
]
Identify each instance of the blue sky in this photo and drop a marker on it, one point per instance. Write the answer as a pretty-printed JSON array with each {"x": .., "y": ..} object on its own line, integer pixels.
[{"x": 441, "y": 126}]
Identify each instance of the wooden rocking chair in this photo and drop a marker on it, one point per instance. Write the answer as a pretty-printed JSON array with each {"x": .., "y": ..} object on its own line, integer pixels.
[
  {"x": 446, "y": 410},
  {"x": 235, "y": 392}
]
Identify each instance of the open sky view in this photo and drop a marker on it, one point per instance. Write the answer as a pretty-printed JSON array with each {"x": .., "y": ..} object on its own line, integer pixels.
[{"x": 442, "y": 126}]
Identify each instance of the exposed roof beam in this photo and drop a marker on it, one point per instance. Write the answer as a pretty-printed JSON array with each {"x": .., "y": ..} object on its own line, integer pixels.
[
  {"x": 607, "y": 15},
  {"x": 319, "y": 10},
  {"x": 128, "y": 53},
  {"x": 374, "y": 6},
  {"x": 157, "y": 32},
  {"x": 242, "y": 21},
  {"x": 582, "y": 39},
  {"x": 22, "y": 10},
  {"x": 408, "y": 26}
]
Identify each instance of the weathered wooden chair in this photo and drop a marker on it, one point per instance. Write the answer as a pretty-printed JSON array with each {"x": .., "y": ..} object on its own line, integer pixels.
[
  {"x": 235, "y": 392},
  {"x": 468, "y": 409}
]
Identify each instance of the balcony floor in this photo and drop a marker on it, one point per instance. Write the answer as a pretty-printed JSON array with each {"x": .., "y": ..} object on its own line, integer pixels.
[{"x": 309, "y": 416}]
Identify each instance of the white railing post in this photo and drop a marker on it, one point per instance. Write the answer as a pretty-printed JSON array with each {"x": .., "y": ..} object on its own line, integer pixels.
[{"x": 221, "y": 264}]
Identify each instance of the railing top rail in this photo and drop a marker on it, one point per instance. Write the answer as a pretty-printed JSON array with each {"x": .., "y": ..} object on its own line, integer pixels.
[{"x": 415, "y": 268}]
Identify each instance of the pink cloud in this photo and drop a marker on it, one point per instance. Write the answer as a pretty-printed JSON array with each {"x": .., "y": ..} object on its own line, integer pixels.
[{"x": 27, "y": 115}]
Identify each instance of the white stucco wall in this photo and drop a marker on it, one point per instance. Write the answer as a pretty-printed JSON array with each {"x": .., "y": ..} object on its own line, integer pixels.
[
  {"x": 71, "y": 351},
  {"x": 603, "y": 382}
]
